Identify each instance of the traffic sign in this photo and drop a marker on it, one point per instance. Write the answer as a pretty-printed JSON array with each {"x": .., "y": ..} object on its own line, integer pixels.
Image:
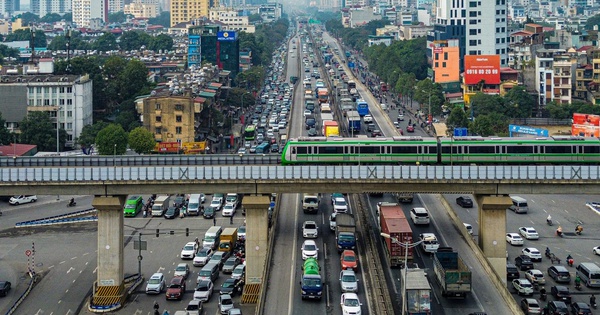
[
  {"x": 28, "y": 253},
  {"x": 272, "y": 205}
]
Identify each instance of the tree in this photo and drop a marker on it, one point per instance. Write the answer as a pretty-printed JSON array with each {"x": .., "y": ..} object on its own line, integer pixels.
[
  {"x": 51, "y": 18},
  {"x": 112, "y": 139},
  {"x": 134, "y": 40},
  {"x": 484, "y": 104},
  {"x": 117, "y": 17},
  {"x": 457, "y": 119},
  {"x": 518, "y": 103},
  {"x": 106, "y": 42},
  {"x": 141, "y": 140},
  {"x": 88, "y": 134},
  {"x": 37, "y": 128},
  {"x": 493, "y": 124},
  {"x": 592, "y": 21},
  {"x": 162, "y": 42},
  {"x": 163, "y": 19},
  {"x": 28, "y": 18},
  {"x": 133, "y": 78},
  {"x": 68, "y": 17},
  {"x": 427, "y": 91},
  {"x": 5, "y": 136},
  {"x": 254, "y": 18},
  {"x": 25, "y": 35}
]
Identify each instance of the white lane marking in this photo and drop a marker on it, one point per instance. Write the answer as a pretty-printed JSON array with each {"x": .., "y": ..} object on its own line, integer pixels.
[
  {"x": 292, "y": 266},
  {"x": 70, "y": 269},
  {"x": 96, "y": 269},
  {"x": 38, "y": 312},
  {"x": 68, "y": 312},
  {"x": 85, "y": 254},
  {"x": 51, "y": 267},
  {"x": 74, "y": 258},
  {"x": 62, "y": 262}
]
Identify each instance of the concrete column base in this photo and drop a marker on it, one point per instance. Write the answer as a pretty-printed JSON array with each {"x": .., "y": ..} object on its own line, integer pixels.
[
  {"x": 109, "y": 289},
  {"x": 492, "y": 230},
  {"x": 257, "y": 222}
]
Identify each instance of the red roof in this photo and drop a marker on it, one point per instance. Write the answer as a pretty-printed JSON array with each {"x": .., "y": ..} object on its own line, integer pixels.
[
  {"x": 508, "y": 70},
  {"x": 155, "y": 27},
  {"x": 521, "y": 33},
  {"x": 16, "y": 149},
  {"x": 199, "y": 100},
  {"x": 584, "y": 48}
]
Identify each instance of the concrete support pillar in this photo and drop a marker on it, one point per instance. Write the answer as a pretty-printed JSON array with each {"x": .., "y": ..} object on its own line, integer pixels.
[
  {"x": 109, "y": 285},
  {"x": 492, "y": 230},
  {"x": 257, "y": 222}
]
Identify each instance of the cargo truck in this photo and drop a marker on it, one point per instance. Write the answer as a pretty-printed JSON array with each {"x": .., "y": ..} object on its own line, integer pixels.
[
  {"x": 418, "y": 292},
  {"x": 452, "y": 273},
  {"x": 393, "y": 222},
  {"x": 227, "y": 240},
  {"x": 161, "y": 204},
  {"x": 311, "y": 283},
  {"x": 353, "y": 121},
  {"x": 347, "y": 105},
  {"x": 310, "y": 202},
  {"x": 345, "y": 232},
  {"x": 331, "y": 129},
  {"x": 405, "y": 197}
]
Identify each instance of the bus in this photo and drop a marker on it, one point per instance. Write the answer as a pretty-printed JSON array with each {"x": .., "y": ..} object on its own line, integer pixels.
[
  {"x": 263, "y": 148},
  {"x": 250, "y": 132},
  {"x": 589, "y": 274},
  {"x": 362, "y": 107}
]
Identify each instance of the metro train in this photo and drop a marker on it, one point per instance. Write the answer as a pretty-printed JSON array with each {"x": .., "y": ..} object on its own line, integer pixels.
[{"x": 457, "y": 150}]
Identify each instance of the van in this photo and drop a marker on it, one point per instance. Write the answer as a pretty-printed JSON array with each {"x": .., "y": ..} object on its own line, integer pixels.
[
  {"x": 209, "y": 272},
  {"x": 133, "y": 206},
  {"x": 519, "y": 205},
  {"x": 161, "y": 204},
  {"x": 232, "y": 198},
  {"x": 419, "y": 216},
  {"x": 589, "y": 274},
  {"x": 325, "y": 108},
  {"x": 559, "y": 274},
  {"x": 194, "y": 205},
  {"x": 212, "y": 236},
  {"x": 310, "y": 202}
]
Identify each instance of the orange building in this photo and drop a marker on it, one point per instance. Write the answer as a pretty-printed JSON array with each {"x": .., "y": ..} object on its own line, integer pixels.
[{"x": 446, "y": 61}]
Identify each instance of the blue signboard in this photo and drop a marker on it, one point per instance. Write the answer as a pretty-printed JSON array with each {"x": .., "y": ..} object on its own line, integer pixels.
[
  {"x": 226, "y": 36},
  {"x": 527, "y": 130},
  {"x": 351, "y": 65},
  {"x": 460, "y": 132},
  {"x": 272, "y": 205}
]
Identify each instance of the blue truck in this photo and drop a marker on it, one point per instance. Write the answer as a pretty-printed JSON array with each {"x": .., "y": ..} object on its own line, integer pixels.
[
  {"x": 345, "y": 232},
  {"x": 353, "y": 121},
  {"x": 311, "y": 283}
]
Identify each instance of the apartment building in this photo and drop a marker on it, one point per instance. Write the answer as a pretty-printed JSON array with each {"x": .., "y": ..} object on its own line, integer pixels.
[{"x": 89, "y": 12}]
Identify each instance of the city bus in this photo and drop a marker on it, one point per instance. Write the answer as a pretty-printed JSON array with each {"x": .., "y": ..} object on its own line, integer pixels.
[
  {"x": 263, "y": 148},
  {"x": 250, "y": 132},
  {"x": 362, "y": 107}
]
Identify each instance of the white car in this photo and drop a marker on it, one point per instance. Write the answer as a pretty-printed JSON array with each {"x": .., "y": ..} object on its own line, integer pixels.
[
  {"x": 532, "y": 253},
  {"x": 523, "y": 286},
  {"x": 217, "y": 203},
  {"x": 203, "y": 290},
  {"x": 156, "y": 284},
  {"x": 368, "y": 119},
  {"x": 202, "y": 257},
  {"x": 350, "y": 304},
  {"x": 348, "y": 281},
  {"x": 596, "y": 250},
  {"x": 400, "y": 117},
  {"x": 17, "y": 200},
  {"x": 182, "y": 270},
  {"x": 535, "y": 275},
  {"x": 514, "y": 239},
  {"x": 238, "y": 272},
  {"x": 310, "y": 250},
  {"x": 529, "y": 233},
  {"x": 340, "y": 205},
  {"x": 307, "y": 113},
  {"x": 189, "y": 250},
  {"x": 229, "y": 210},
  {"x": 310, "y": 229},
  {"x": 429, "y": 243},
  {"x": 332, "y": 223}
]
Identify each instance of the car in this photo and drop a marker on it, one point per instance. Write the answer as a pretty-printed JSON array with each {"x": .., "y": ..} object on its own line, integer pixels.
[
  {"x": 155, "y": 284},
  {"x": 532, "y": 253},
  {"x": 171, "y": 213},
  {"x": 179, "y": 201},
  {"x": 531, "y": 306},
  {"x": 310, "y": 229},
  {"x": 464, "y": 201},
  {"x": 230, "y": 264},
  {"x": 242, "y": 151},
  {"x": 581, "y": 308},
  {"x": 410, "y": 128},
  {"x": 340, "y": 205},
  {"x": 429, "y": 242},
  {"x": 230, "y": 286},
  {"x": 209, "y": 212},
  {"x": 400, "y": 117},
  {"x": 332, "y": 223},
  {"x": 239, "y": 271},
  {"x": 312, "y": 132},
  {"x": 189, "y": 250},
  {"x": 535, "y": 276},
  {"x": 529, "y": 233},
  {"x": 350, "y": 304},
  {"x": 241, "y": 233},
  {"x": 523, "y": 286},
  {"x": 202, "y": 257},
  {"x": 523, "y": 262},
  {"x": 514, "y": 239},
  {"x": 21, "y": 199},
  {"x": 348, "y": 260},
  {"x": 368, "y": 119},
  {"x": 220, "y": 258},
  {"x": 512, "y": 272},
  {"x": 234, "y": 311},
  {"x": 596, "y": 250},
  {"x": 559, "y": 273},
  {"x": 469, "y": 228},
  {"x": 557, "y": 308},
  {"x": 228, "y": 210},
  {"x": 176, "y": 288},
  {"x": 348, "y": 281},
  {"x": 225, "y": 303},
  {"x": 203, "y": 290},
  {"x": 182, "y": 270},
  {"x": 253, "y": 149},
  {"x": 309, "y": 250},
  {"x": 5, "y": 288},
  {"x": 561, "y": 293},
  {"x": 274, "y": 145},
  {"x": 194, "y": 307},
  {"x": 218, "y": 203},
  {"x": 307, "y": 113},
  {"x": 376, "y": 133}
]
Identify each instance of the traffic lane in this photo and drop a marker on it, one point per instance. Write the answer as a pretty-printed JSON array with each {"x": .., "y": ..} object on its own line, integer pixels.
[
  {"x": 483, "y": 296},
  {"x": 467, "y": 215}
]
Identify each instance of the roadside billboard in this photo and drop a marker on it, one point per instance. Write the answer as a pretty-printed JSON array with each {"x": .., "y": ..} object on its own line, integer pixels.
[
  {"x": 482, "y": 67},
  {"x": 166, "y": 147},
  {"x": 585, "y": 125}
]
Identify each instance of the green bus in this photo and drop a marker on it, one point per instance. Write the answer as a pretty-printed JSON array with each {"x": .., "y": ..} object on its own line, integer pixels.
[
  {"x": 133, "y": 206},
  {"x": 250, "y": 132}
]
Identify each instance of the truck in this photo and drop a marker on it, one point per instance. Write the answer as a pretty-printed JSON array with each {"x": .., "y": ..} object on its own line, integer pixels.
[
  {"x": 405, "y": 197},
  {"x": 345, "y": 232},
  {"x": 326, "y": 117},
  {"x": 310, "y": 202},
  {"x": 347, "y": 105},
  {"x": 161, "y": 204},
  {"x": 452, "y": 273},
  {"x": 353, "y": 121},
  {"x": 227, "y": 240},
  {"x": 323, "y": 95},
  {"x": 311, "y": 284},
  {"x": 392, "y": 221},
  {"x": 417, "y": 292},
  {"x": 331, "y": 128}
]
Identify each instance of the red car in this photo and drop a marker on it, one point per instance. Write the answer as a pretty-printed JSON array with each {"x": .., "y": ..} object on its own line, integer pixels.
[
  {"x": 176, "y": 289},
  {"x": 410, "y": 128},
  {"x": 349, "y": 260}
]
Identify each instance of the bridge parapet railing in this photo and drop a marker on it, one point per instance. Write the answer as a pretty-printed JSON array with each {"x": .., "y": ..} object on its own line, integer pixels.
[{"x": 312, "y": 172}]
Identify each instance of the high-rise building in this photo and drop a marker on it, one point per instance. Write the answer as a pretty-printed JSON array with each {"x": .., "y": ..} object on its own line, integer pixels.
[
  {"x": 8, "y": 7},
  {"x": 140, "y": 10},
  {"x": 115, "y": 6},
  {"x": 208, "y": 43},
  {"x": 84, "y": 11},
  {"x": 187, "y": 10},
  {"x": 42, "y": 8}
]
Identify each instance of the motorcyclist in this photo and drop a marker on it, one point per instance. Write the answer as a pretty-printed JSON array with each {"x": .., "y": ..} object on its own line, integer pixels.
[
  {"x": 570, "y": 261},
  {"x": 578, "y": 229},
  {"x": 577, "y": 281},
  {"x": 549, "y": 219},
  {"x": 547, "y": 251},
  {"x": 593, "y": 300},
  {"x": 72, "y": 202},
  {"x": 559, "y": 231}
]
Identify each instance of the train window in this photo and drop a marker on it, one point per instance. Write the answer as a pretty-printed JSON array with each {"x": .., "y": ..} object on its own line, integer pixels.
[
  {"x": 370, "y": 150},
  {"x": 591, "y": 149},
  {"x": 432, "y": 149},
  {"x": 557, "y": 149},
  {"x": 445, "y": 150},
  {"x": 404, "y": 150},
  {"x": 536, "y": 150},
  {"x": 331, "y": 150},
  {"x": 482, "y": 149},
  {"x": 519, "y": 149},
  {"x": 301, "y": 150}
]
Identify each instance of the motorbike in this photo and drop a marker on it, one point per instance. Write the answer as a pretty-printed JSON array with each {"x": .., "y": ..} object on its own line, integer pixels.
[
  {"x": 72, "y": 204},
  {"x": 578, "y": 286},
  {"x": 549, "y": 222},
  {"x": 543, "y": 296}
]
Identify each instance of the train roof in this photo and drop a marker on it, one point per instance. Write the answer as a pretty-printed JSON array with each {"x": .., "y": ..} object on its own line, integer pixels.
[{"x": 457, "y": 140}]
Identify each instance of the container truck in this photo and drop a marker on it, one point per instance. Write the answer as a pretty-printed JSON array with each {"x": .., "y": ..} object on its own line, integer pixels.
[
  {"x": 418, "y": 292},
  {"x": 345, "y": 232},
  {"x": 353, "y": 121},
  {"x": 331, "y": 129},
  {"x": 311, "y": 283},
  {"x": 393, "y": 222},
  {"x": 452, "y": 273},
  {"x": 227, "y": 240}
]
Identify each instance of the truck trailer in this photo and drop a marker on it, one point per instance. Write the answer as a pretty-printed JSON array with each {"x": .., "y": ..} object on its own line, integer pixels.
[
  {"x": 452, "y": 273},
  {"x": 393, "y": 222}
]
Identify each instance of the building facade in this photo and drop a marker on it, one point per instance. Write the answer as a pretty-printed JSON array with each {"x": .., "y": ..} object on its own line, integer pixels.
[
  {"x": 42, "y": 8},
  {"x": 66, "y": 98},
  {"x": 115, "y": 6},
  {"x": 141, "y": 10},
  {"x": 553, "y": 76},
  {"x": 169, "y": 118},
  {"x": 231, "y": 19},
  {"x": 208, "y": 43},
  {"x": 84, "y": 11},
  {"x": 187, "y": 10}
]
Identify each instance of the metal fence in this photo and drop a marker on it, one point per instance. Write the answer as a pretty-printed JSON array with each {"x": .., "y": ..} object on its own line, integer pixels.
[{"x": 542, "y": 121}]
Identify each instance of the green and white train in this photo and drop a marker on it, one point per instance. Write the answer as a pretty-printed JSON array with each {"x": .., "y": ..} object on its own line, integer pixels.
[{"x": 457, "y": 150}]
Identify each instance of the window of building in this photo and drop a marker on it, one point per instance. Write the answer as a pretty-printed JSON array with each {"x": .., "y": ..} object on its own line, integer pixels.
[
  {"x": 62, "y": 89},
  {"x": 178, "y": 130},
  {"x": 178, "y": 107},
  {"x": 158, "y": 130},
  {"x": 46, "y": 90},
  {"x": 69, "y": 101},
  {"x": 69, "y": 126},
  {"x": 473, "y": 31},
  {"x": 473, "y": 13},
  {"x": 69, "y": 89},
  {"x": 178, "y": 118},
  {"x": 61, "y": 101},
  {"x": 38, "y": 89},
  {"x": 157, "y": 106},
  {"x": 437, "y": 64},
  {"x": 38, "y": 102},
  {"x": 158, "y": 118},
  {"x": 46, "y": 102},
  {"x": 443, "y": 65},
  {"x": 69, "y": 113},
  {"x": 472, "y": 42},
  {"x": 445, "y": 56}
]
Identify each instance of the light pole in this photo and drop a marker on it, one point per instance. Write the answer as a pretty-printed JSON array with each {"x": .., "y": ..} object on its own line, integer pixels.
[
  {"x": 406, "y": 246},
  {"x": 57, "y": 130}
]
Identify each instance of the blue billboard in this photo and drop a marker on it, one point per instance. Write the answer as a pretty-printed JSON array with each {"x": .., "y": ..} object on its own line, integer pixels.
[
  {"x": 527, "y": 130},
  {"x": 226, "y": 36},
  {"x": 461, "y": 132}
]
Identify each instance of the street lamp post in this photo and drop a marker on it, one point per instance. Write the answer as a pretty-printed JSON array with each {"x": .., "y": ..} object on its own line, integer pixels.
[
  {"x": 57, "y": 131},
  {"x": 406, "y": 246}
]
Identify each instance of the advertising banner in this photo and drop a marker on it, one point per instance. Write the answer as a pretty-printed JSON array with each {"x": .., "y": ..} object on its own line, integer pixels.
[
  {"x": 585, "y": 125},
  {"x": 226, "y": 36},
  {"x": 167, "y": 147},
  {"x": 482, "y": 67}
]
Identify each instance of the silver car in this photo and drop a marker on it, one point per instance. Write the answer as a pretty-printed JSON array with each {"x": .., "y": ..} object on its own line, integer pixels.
[
  {"x": 203, "y": 290},
  {"x": 225, "y": 303},
  {"x": 156, "y": 284},
  {"x": 348, "y": 281}
]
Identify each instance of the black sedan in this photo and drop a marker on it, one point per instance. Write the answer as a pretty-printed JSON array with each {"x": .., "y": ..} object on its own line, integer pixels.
[
  {"x": 172, "y": 213},
  {"x": 4, "y": 288},
  {"x": 464, "y": 201},
  {"x": 580, "y": 308},
  {"x": 231, "y": 286}
]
